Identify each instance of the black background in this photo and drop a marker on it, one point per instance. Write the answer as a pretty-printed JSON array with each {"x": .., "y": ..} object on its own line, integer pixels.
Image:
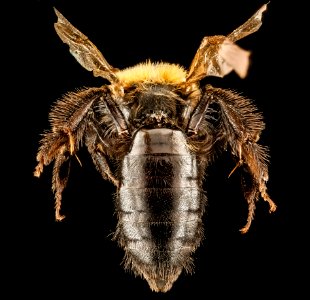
[{"x": 76, "y": 257}]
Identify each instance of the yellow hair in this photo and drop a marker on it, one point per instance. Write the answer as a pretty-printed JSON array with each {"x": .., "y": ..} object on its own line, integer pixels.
[{"x": 152, "y": 73}]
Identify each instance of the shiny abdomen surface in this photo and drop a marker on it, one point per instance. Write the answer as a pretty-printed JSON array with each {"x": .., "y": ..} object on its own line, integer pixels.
[{"x": 159, "y": 205}]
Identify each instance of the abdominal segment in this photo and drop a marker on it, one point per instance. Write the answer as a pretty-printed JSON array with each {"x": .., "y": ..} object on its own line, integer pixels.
[{"x": 160, "y": 204}]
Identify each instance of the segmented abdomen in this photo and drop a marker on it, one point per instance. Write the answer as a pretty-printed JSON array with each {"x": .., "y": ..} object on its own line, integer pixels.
[{"x": 160, "y": 204}]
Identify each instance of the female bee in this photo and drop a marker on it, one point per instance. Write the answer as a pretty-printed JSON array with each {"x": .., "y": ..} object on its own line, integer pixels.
[{"x": 153, "y": 132}]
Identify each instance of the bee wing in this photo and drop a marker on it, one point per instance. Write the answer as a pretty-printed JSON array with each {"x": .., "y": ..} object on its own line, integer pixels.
[
  {"x": 84, "y": 51},
  {"x": 219, "y": 55},
  {"x": 250, "y": 26}
]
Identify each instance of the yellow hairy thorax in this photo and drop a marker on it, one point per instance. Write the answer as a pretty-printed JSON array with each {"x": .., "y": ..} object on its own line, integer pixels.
[{"x": 150, "y": 72}]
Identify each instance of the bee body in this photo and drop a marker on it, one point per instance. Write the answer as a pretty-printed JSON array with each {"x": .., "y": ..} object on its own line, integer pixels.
[{"x": 152, "y": 132}]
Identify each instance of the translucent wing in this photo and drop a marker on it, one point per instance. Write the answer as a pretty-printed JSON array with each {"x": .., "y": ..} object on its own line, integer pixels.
[
  {"x": 250, "y": 26},
  {"x": 84, "y": 51},
  {"x": 219, "y": 55}
]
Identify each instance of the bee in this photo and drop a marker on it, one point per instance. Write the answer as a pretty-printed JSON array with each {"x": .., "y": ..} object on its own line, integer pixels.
[{"x": 153, "y": 131}]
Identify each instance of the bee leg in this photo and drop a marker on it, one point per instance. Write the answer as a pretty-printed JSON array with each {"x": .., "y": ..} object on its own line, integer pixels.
[
  {"x": 198, "y": 114},
  {"x": 56, "y": 146},
  {"x": 61, "y": 171},
  {"x": 102, "y": 165},
  {"x": 96, "y": 146},
  {"x": 254, "y": 179},
  {"x": 116, "y": 114},
  {"x": 242, "y": 125},
  {"x": 239, "y": 163}
]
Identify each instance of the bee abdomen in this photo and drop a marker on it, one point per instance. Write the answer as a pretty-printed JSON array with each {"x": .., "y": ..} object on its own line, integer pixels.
[{"x": 160, "y": 205}]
